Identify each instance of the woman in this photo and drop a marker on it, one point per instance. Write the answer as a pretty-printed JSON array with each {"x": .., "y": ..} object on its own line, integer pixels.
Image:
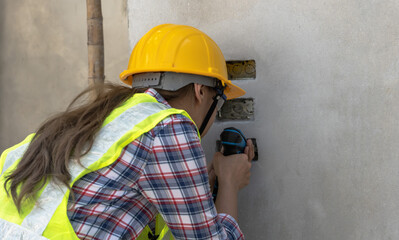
[{"x": 106, "y": 168}]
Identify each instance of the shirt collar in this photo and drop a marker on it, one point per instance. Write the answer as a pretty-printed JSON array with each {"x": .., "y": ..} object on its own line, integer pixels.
[{"x": 152, "y": 92}]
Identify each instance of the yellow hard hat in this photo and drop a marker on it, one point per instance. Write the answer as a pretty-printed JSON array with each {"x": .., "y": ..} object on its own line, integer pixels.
[{"x": 180, "y": 49}]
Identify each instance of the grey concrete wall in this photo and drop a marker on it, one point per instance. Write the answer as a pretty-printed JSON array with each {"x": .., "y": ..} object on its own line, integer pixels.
[
  {"x": 327, "y": 110},
  {"x": 43, "y": 60}
]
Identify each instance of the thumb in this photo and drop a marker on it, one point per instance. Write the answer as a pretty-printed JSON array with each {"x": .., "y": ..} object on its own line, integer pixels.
[
  {"x": 210, "y": 167},
  {"x": 212, "y": 178}
]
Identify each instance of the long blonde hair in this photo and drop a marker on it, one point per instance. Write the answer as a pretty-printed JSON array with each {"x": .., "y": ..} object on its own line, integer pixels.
[{"x": 70, "y": 133}]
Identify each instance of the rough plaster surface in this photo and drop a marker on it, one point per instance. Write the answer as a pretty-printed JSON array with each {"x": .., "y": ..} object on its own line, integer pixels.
[
  {"x": 327, "y": 110},
  {"x": 43, "y": 60}
]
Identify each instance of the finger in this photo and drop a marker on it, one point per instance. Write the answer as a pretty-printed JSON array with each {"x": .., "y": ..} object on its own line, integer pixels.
[
  {"x": 249, "y": 166},
  {"x": 210, "y": 163},
  {"x": 248, "y": 174},
  {"x": 250, "y": 146},
  {"x": 216, "y": 157},
  {"x": 212, "y": 177},
  {"x": 210, "y": 166},
  {"x": 251, "y": 149}
]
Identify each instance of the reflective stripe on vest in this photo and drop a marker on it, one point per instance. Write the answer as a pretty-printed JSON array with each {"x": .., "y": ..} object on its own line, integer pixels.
[
  {"x": 161, "y": 230},
  {"x": 47, "y": 215}
]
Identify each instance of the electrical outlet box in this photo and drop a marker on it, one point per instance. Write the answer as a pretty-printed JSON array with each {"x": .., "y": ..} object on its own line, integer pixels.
[
  {"x": 237, "y": 109},
  {"x": 244, "y": 69}
]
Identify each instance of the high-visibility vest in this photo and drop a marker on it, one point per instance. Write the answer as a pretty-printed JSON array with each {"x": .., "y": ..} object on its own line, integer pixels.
[{"x": 46, "y": 216}]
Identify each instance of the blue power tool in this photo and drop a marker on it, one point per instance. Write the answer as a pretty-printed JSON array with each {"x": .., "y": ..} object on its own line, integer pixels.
[{"x": 233, "y": 142}]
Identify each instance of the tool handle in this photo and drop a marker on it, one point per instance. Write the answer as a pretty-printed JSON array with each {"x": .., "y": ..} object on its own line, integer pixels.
[{"x": 233, "y": 142}]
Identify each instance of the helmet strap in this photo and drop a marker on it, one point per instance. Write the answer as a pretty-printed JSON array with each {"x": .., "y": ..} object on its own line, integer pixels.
[
  {"x": 219, "y": 94},
  {"x": 208, "y": 115}
]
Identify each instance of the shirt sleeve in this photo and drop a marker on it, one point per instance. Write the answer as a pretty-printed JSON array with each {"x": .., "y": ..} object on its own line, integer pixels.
[{"x": 175, "y": 181}]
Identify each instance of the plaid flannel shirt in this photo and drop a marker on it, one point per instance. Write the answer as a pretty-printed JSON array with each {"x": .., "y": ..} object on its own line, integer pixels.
[{"x": 164, "y": 171}]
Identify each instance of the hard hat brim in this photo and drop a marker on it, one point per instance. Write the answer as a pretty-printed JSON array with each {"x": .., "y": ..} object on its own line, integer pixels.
[{"x": 232, "y": 91}]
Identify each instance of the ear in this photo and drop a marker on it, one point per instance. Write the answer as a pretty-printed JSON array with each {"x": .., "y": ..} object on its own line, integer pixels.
[{"x": 200, "y": 92}]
